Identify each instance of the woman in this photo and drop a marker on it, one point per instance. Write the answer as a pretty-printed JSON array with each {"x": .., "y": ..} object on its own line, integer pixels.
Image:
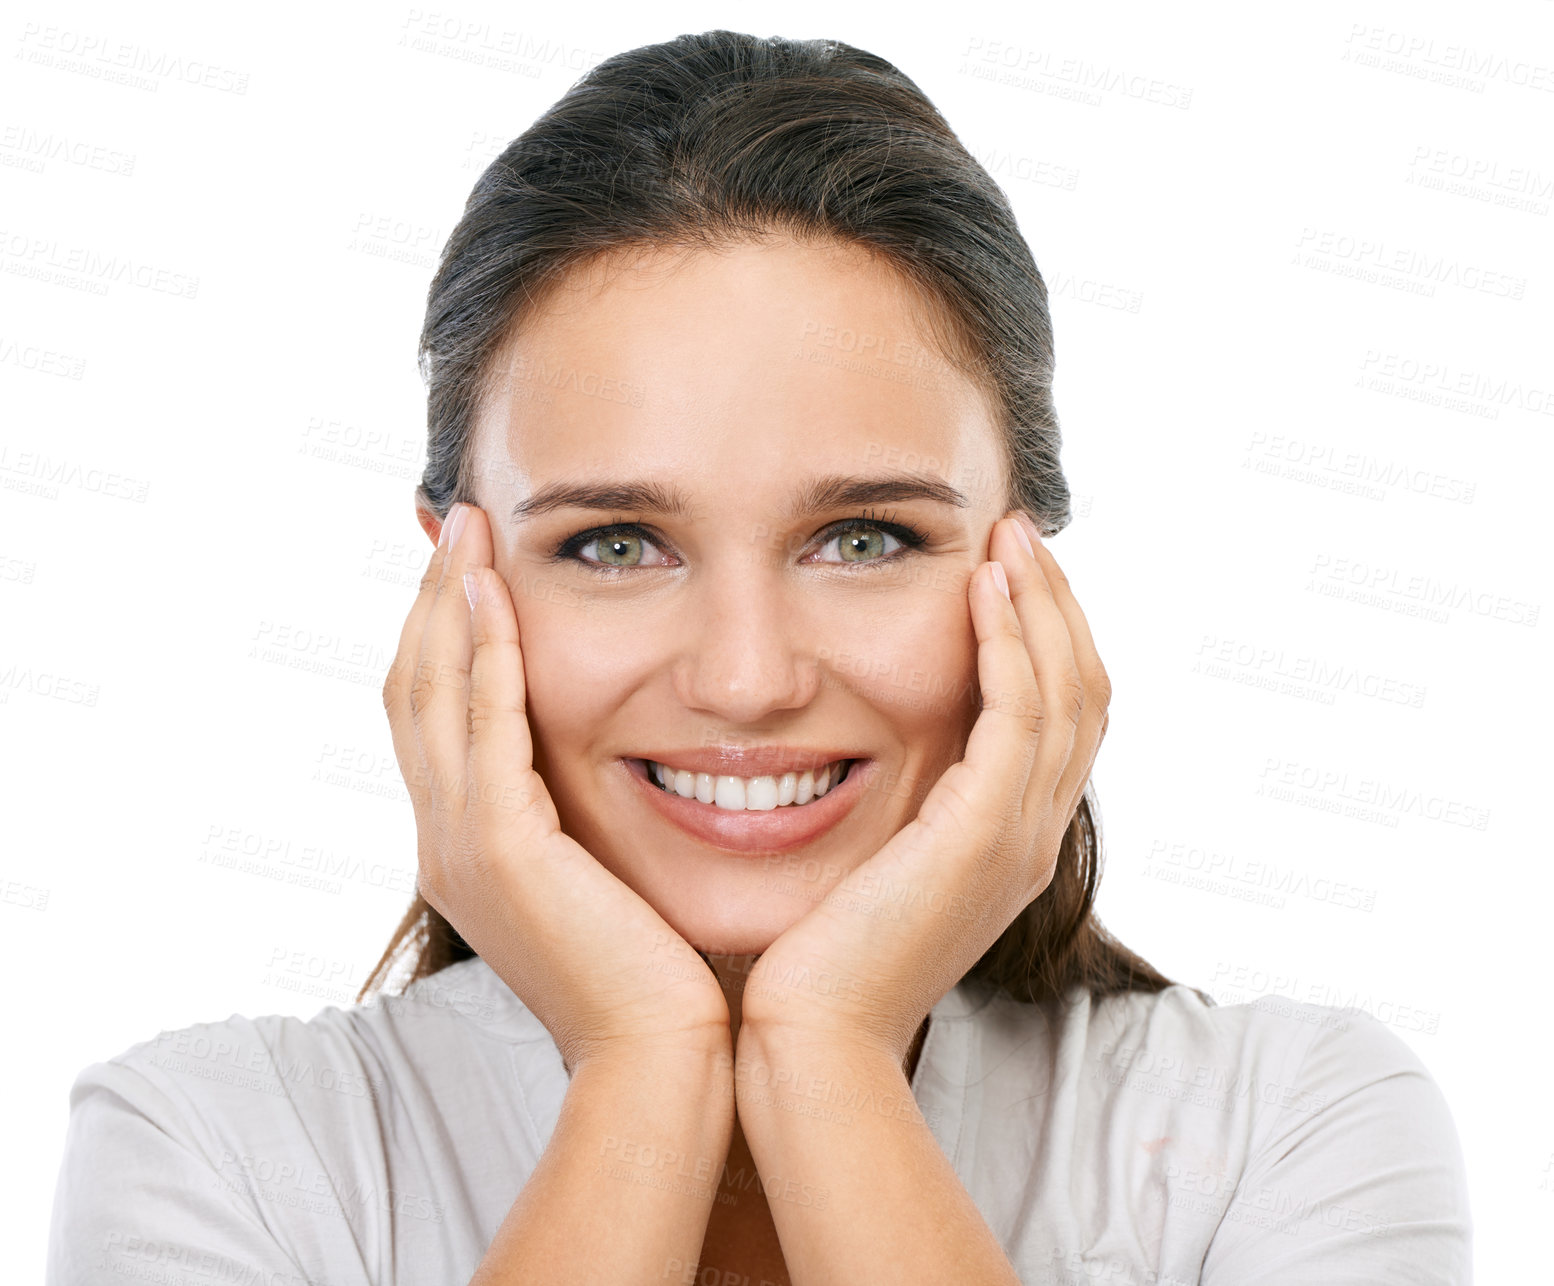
[{"x": 754, "y": 940}]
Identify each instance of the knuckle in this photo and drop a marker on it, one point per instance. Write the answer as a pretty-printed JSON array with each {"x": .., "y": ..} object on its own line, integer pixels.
[
  {"x": 1072, "y": 696},
  {"x": 422, "y": 689},
  {"x": 428, "y": 883},
  {"x": 1101, "y": 686},
  {"x": 1007, "y": 818},
  {"x": 429, "y": 676},
  {"x": 394, "y": 683},
  {"x": 1041, "y": 872},
  {"x": 433, "y": 572},
  {"x": 1032, "y": 711},
  {"x": 1025, "y": 706},
  {"x": 478, "y": 720}
]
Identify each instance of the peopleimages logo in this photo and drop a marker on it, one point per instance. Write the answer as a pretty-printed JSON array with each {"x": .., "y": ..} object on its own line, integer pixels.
[
  {"x": 1444, "y": 61},
  {"x": 1375, "y": 260},
  {"x": 122, "y": 61},
  {"x": 83, "y": 267}
]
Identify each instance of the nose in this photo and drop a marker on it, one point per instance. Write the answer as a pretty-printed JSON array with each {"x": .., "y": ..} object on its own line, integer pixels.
[{"x": 749, "y": 648}]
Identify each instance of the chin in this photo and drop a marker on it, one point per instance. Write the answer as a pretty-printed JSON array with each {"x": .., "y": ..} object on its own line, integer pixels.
[{"x": 729, "y": 930}]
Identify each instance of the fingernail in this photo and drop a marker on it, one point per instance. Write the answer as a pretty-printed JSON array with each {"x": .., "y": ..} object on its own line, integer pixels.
[
  {"x": 1028, "y": 524},
  {"x": 456, "y": 522},
  {"x": 442, "y": 536},
  {"x": 471, "y": 590},
  {"x": 1002, "y": 580},
  {"x": 1025, "y": 541}
]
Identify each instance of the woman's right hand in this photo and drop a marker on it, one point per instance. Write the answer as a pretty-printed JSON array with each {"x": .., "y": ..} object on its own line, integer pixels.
[{"x": 589, "y": 957}]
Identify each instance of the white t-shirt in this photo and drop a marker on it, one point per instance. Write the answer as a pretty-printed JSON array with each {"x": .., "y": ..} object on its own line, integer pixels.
[{"x": 1142, "y": 1140}]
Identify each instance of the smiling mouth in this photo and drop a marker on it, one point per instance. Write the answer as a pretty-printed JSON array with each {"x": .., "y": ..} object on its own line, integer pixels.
[
  {"x": 748, "y": 795},
  {"x": 767, "y": 830}
]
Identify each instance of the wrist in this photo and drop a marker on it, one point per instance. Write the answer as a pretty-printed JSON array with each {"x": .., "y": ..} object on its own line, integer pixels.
[
  {"x": 704, "y": 1054},
  {"x": 788, "y": 1040},
  {"x": 701, "y": 1075},
  {"x": 793, "y": 1059},
  {"x": 787, "y": 1084}
]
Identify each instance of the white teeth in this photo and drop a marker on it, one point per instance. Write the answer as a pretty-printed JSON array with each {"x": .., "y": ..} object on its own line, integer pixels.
[{"x": 740, "y": 794}]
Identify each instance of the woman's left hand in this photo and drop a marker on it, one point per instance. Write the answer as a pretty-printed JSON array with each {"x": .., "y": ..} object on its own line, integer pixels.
[{"x": 868, "y": 963}]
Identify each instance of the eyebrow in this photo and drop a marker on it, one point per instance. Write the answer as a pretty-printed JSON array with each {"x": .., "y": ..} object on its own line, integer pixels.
[{"x": 832, "y": 491}]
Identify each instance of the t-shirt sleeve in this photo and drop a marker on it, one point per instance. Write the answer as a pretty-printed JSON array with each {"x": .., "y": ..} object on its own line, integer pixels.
[
  {"x": 1360, "y": 1178},
  {"x": 136, "y": 1197}
]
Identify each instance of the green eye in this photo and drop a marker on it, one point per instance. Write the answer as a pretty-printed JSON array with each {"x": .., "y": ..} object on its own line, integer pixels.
[
  {"x": 860, "y": 542},
  {"x": 866, "y": 543},
  {"x": 621, "y": 550}
]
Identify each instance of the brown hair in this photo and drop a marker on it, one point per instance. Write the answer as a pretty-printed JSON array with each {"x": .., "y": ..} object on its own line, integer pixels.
[{"x": 720, "y": 137}]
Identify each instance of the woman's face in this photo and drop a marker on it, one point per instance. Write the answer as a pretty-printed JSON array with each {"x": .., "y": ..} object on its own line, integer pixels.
[{"x": 752, "y": 385}]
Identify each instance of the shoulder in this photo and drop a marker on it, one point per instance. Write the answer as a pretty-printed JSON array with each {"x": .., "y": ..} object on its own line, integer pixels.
[
  {"x": 1287, "y": 1054},
  {"x": 1348, "y": 1158},
  {"x": 340, "y": 1054},
  {"x": 1272, "y": 1142},
  {"x": 1291, "y": 1062},
  {"x": 287, "y": 1139}
]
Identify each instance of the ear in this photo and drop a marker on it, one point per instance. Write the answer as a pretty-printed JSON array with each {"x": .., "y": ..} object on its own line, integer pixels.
[
  {"x": 431, "y": 524},
  {"x": 1028, "y": 521}
]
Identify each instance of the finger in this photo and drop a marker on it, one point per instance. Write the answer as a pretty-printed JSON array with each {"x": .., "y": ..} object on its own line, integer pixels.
[
  {"x": 1051, "y": 656},
  {"x": 399, "y": 682},
  {"x": 1097, "y": 683},
  {"x": 949, "y": 842},
  {"x": 440, "y": 692},
  {"x": 503, "y": 784},
  {"x": 1003, "y": 740}
]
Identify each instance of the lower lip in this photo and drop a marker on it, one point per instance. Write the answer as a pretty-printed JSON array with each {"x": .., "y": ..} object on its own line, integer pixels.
[{"x": 758, "y": 831}]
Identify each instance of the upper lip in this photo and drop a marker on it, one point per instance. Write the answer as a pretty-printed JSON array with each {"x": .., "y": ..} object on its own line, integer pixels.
[{"x": 749, "y": 761}]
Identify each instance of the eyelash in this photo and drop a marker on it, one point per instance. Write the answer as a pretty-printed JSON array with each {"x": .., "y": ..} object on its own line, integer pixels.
[{"x": 910, "y": 537}]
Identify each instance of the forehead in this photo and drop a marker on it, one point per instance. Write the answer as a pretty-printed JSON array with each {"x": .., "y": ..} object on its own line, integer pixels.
[{"x": 698, "y": 364}]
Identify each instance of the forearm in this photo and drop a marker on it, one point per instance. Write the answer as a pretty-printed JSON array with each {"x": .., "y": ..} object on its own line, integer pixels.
[
  {"x": 624, "y": 1189},
  {"x": 845, "y": 1120}
]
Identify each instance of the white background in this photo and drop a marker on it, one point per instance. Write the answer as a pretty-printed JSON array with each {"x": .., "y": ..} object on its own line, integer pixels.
[{"x": 1301, "y": 286}]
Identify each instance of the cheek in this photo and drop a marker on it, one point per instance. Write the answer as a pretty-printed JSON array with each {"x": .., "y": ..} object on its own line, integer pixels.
[
  {"x": 576, "y": 671},
  {"x": 917, "y": 668}
]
